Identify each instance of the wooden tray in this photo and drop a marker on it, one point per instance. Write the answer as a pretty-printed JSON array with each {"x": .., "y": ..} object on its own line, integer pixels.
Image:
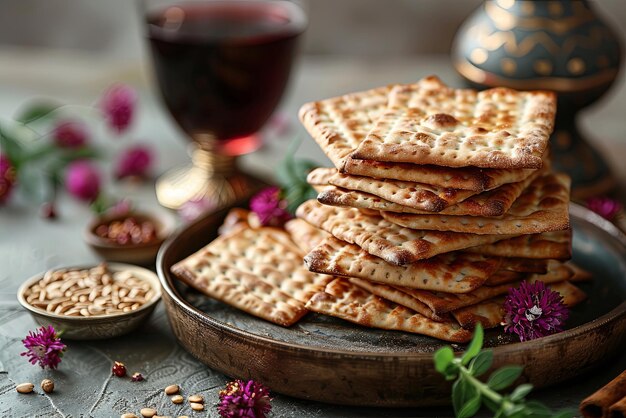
[{"x": 329, "y": 360}]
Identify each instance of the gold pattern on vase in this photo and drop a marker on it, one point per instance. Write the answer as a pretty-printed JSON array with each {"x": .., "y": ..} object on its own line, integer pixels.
[
  {"x": 576, "y": 66},
  {"x": 555, "y": 8},
  {"x": 505, "y": 20},
  {"x": 543, "y": 67},
  {"x": 479, "y": 56},
  {"x": 494, "y": 40},
  {"x": 560, "y": 84},
  {"x": 508, "y": 66},
  {"x": 528, "y": 7}
]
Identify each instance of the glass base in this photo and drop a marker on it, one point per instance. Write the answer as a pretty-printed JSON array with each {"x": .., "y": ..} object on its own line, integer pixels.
[{"x": 212, "y": 177}]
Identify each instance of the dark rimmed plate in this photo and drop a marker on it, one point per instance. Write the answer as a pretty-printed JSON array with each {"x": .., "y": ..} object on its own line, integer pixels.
[{"x": 330, "y": 360}]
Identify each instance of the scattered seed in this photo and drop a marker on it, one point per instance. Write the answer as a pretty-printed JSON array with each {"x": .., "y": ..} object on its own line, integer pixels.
[
  {"x": 25, "y": 387},
  {"x": 177, "y": 399},
  {"x": 172, "y": 390},
  {"x": 196, "y": 406},
  {"x": 47, "y": 385},
  {"x": 129, "y": 415},
  {"x": 196, "y": 399},
  {"x": 148, "y": 412}
]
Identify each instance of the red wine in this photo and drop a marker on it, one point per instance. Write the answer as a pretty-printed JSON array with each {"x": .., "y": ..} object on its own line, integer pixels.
[{"x": 222, "y": 66}]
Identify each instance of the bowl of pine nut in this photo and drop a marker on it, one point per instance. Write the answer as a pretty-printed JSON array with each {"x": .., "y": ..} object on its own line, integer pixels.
[{"x": 92, "y": 302}]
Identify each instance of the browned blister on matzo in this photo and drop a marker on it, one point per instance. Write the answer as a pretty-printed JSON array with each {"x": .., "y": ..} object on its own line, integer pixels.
[
  {"x": 542, "y": 207},
  {"x": 524, "y": 265},
  {"x": 418, "y": 196},
  {"x": 454, "y": 272},
  {"x": 397, "y": 296},
  {"x": 395, "y": 244},
  {"x": 345, "y": 300},
  {"x": 341, "y": 123},
  {"x": 431, "y": 123},
  {"x": 494, "y": 202},
  {"x": 259, "y": 271},
  {"x": 442, "y": 303},
  {"x": 466, "y": 178},
  {"x": 547, "y": 245},
  {"x": 489, "y": 313}
]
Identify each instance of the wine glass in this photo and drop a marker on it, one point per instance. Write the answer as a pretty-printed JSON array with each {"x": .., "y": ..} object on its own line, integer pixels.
[{"x": 222, "y": 68}]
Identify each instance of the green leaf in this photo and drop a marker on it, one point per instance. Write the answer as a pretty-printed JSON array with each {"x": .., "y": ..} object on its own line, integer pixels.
[
  {"x": 504, "y": 377},
  {"x": 36, "y": 111},
  {"x": 493, "y": 406},
  {"x": 474, "y": 347},
  {"x": 481, "y": 363},
  {"x": 521, "y": 391},
  {"x": 470, "y": 408},
  {"x": 564, "y": 414},
  {"x": 537, "y": 409},
  {"x": 462, "y": 393},
  {"x": 34, "y": 183},
  {"x": 12, "y": 148},
  {"x": 443, "y": 358},
  {"x": 517, "y": 411}
]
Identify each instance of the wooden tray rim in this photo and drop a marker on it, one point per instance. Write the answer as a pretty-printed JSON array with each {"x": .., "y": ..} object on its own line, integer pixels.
[{"x": 576, "y": 210}]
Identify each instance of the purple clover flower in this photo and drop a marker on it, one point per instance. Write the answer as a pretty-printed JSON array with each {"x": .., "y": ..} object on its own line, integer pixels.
[
  {"x": 70, "y": 134},
  {"x": 82, "y": 180},
  {"x": 533, "y": 311},
  {"x": 7, "y": 178},
  {"x": 604, "y": 206},
  {"x": 118, "y": 105},
  {"x": 134, "y": 161},
  {"x": 269, "y": 207},
  {"x": 244, "y": 400},
  {"x": 44, "y": 347}
]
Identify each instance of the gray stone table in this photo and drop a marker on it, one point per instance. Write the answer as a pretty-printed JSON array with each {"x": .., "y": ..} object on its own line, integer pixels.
[{"x": 29, "y": 245}]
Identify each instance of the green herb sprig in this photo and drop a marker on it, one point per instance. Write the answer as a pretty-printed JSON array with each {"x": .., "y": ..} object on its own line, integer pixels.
[{"x": 469, "y": 393}]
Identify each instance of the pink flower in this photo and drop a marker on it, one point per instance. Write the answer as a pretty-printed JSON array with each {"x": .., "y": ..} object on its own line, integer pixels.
[
  {"x": 70, "y": 134},
  {"x": 194, "y": 208},
  {"x": 44, "y": 347},
  {"x": 82, "y": 180},
  {"x": 118, "y": 105},
  {"x": 604, "y": 206},
  {"x": 269, "y": 207},
  {"x": 135, "y": 161},
  {"x": 244, "y": 399},
  {"x": 7, "y": 178},
  {"x": 533, "y": 311}
]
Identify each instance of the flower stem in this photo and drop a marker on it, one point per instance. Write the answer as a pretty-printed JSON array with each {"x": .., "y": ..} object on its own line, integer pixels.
[{"x": 485, "y": 390}]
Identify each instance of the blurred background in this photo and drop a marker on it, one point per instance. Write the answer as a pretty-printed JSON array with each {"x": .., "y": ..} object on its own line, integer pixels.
[
  {"x": 73, "y": 49},
  {"x": 41, "y": 37}
]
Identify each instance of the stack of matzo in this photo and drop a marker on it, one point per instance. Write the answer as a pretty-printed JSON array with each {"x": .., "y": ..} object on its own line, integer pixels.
[{"x": 440, "y": 200}]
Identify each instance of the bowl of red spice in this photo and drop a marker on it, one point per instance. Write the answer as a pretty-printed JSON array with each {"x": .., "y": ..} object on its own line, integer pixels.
[{"x": 133, "y": 237}]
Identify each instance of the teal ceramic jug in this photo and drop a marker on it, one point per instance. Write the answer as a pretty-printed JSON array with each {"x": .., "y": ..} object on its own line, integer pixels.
[{"x": 559, "y": 45}]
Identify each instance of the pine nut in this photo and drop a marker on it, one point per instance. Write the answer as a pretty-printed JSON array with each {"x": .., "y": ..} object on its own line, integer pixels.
[
  {"x": 89, "y": 292},
  {"x": 25, "y": 387},
  {"x": 172, "y": 390}
]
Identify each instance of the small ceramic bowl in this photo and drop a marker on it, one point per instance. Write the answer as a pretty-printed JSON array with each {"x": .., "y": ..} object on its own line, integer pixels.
[
  {"x": 145, "y": 253},
  {"x": 100, "y": 326}
]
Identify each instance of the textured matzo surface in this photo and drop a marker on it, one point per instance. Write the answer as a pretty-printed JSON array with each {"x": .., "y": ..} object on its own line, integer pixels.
[
  {"x": 431, "y": 123},
  {"x": 352, "y": 303},
  {"x": 395, "y": 244}
]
